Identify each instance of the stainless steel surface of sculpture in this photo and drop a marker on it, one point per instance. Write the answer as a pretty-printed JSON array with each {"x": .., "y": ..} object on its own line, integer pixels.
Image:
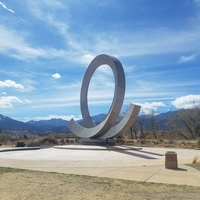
[{"x": 107, "y": 128}]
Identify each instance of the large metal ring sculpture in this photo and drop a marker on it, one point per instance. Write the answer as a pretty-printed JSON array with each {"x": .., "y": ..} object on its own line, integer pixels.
[{"x": 107, "y": 128}]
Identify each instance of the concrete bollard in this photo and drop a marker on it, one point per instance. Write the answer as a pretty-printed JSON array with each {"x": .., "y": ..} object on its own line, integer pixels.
[{"x": 171, "y": 160}]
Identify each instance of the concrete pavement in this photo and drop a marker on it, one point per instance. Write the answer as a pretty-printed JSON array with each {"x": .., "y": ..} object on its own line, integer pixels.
[{"x": 123, "y": 162}]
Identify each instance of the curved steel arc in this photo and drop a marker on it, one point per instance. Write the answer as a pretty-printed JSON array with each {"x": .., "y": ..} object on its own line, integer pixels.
[
  {"x": 125, "y": 123},
  {"x": 119, "y": 92},
  {"x": 92, "y": 131}
]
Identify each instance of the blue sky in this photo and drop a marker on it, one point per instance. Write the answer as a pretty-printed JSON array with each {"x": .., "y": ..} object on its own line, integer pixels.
[{"x": 46, "y": 46}]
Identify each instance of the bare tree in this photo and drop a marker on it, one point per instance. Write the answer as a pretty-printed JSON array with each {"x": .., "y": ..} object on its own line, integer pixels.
[
  {"x": 4, "y": 137},
  {"x": 153, "y": 123},
  {"x": 133, "y": 130},
  {"x": 140, "y": 123},
  {"x": 187, "y": 122},
  {"x": 176, "y": 126}
]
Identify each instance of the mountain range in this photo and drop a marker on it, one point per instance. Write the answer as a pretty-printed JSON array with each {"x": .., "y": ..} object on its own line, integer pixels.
[
  {"x": 60, "y": 125},
  {"x": 52, "y": 125}
]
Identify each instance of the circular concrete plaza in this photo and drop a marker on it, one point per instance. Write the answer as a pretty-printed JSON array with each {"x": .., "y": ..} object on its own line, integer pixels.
[{"x": 124, "y": 162}]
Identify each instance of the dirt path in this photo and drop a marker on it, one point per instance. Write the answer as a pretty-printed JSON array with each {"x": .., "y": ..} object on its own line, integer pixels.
[{"x": 29, "y": 185}]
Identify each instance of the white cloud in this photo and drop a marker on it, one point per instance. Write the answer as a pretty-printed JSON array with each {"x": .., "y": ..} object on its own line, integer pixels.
[
  {"x": 185, "y": 102},
  {"x": 56, "y": 76},
  {"x": 3, "y": 93},
  {"x": 7, "y": 102},
  {"x": 10, "y": 84},
  {"x": 5, "y": 7},
  {"x": 184, "y": 59},
  {"x": 148, "y": 108},
  {"x": 157, "y": 104}
]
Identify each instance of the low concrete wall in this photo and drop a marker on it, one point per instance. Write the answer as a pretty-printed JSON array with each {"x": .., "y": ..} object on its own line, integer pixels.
[{"x": 18, "y": 149}]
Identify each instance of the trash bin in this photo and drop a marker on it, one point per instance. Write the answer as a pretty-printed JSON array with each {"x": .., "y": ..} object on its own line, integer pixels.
[{"x": 171, "y": 160}]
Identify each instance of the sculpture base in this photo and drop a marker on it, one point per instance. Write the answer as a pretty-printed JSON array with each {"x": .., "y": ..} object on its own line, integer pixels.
[{"x": 100, "y": 142}]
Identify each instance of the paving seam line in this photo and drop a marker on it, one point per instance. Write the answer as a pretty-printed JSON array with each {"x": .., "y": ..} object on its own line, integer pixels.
[
  {"x": 109, "y": 171},
  {"x": 153, "y": 175}
]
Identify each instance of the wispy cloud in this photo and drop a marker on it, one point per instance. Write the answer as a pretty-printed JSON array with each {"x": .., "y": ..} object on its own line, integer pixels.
[
  {"x": 11, "y": 84},
  {"x": 40, "y": 10},
  {"x": 140, "y": 43},
  {"x": 197, "y": 2},
  {"x": 185, "y": 59},
  {"x": 102, "y": 83},
  {"x": 13, "y": 44},
  {"x": 125, "y": 43},
  {"x": 75, "y": 45},
  {"x": 86, "y": 58},
  {"x": 5, "y": 7},
  {"x": 56, "y": 76}
]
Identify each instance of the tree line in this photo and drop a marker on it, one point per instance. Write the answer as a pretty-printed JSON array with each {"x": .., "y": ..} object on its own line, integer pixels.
[{"x": 184, "y": 123}]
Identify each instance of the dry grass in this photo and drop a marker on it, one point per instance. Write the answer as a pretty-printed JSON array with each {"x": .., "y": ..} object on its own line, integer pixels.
[
  {"x": 195, "y": 159},
  {"x": 31, "y": 185},
  {"x": 186, "y": 144},
  {"x": 195, "y": 164}
]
